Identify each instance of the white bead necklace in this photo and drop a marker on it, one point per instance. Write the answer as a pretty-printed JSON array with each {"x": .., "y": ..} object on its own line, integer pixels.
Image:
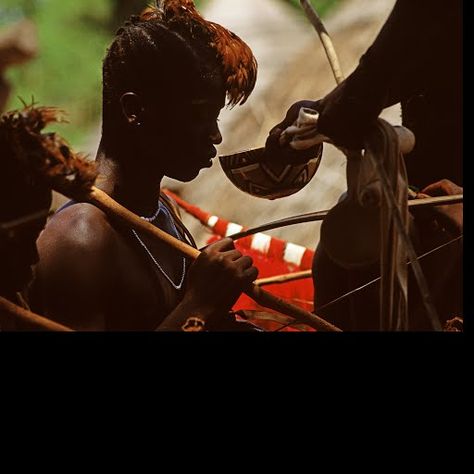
[
  {"x": 163, "y": 208},
  {"x": 155, "y": 215}
]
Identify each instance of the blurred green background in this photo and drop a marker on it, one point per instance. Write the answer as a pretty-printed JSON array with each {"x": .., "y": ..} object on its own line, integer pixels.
[{"x": 73, "y": 37}]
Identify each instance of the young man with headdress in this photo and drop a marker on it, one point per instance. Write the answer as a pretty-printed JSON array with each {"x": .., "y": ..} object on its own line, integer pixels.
[{"x": 165, "y": 80}]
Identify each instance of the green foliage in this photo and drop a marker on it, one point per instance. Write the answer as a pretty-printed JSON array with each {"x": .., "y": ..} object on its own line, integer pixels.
[
  {"x": 322, "y": 6},
  {"x": 73, "y": 37},
  {"x": 67, "y": 72}
]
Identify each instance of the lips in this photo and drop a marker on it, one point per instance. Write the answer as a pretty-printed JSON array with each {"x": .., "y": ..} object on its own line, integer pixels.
[
  {"x": 212, "y": 152},
  {"x": 207, "y": 161}
]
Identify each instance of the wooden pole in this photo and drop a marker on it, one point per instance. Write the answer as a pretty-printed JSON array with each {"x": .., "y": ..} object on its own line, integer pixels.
[
  {"x": 320, "y": 215},
  {"x": 325, "y": 39},
  {"x": 436, "y": 201},
  {"x": 11, "y": 310},
  {"x": 285, "y": 278}
]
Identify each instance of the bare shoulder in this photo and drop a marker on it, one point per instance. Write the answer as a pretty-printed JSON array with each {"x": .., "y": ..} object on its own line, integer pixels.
[
  {"x": 76, "y": 261},
  {"x": 77, "y": 254},
  {"x": 79, "y": 240},
  {"x": 80, "y": 225}
]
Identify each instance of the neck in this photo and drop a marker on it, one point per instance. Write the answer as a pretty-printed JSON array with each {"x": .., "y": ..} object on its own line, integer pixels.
[{"x": 124, "y": 177}]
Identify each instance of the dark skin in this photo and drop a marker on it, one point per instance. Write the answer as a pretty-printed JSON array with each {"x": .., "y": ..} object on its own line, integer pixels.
[
  {"x": 93, "y": 275},
  {"x": 448, "y": 218},
  {"x": 23, "y": 212}
]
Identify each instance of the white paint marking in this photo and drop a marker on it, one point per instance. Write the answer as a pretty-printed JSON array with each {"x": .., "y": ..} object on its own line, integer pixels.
[
  {"x": 294, "y": 253},
  {"x": 233, "y": 229},
  {"x": 261, "y": 242}
]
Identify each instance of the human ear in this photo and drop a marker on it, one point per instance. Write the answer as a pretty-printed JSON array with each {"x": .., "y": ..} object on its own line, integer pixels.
[{"x": 132, "y": 108}]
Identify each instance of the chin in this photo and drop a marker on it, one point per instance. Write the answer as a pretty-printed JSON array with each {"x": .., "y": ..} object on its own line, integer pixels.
[{"x": 185, "y": 176}]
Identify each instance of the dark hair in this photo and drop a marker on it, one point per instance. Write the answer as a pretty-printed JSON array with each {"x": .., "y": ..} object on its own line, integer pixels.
[
  {"x": 145, "y": 57},
  {"x": 172, "y": 48}
]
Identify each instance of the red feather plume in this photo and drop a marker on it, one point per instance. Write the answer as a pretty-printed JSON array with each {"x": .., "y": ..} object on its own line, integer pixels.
[{"x": 239, "y": 65}]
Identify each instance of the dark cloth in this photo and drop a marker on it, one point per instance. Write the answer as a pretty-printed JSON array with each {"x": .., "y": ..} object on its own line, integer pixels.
[
  {"x": 443, "y": 271},
  {"x": 419, "y": 39}
]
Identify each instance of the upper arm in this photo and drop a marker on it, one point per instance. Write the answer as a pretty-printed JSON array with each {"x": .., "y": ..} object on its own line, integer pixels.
[
  {"x": 390, "y": 68},
  {"x": 74, "y": 276}
]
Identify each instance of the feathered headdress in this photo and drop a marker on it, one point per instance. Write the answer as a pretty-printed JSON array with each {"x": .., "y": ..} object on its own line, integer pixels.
[
  {"x": 44, "y": 155},
  {"x": 239, "y": 66}
]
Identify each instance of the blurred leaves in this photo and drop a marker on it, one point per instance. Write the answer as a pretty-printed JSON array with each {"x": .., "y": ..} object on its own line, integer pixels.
[
  {"x": 67, "y": 72},
  {"x": 73, "y": 37},
  {"x": 321, "y": 6}
]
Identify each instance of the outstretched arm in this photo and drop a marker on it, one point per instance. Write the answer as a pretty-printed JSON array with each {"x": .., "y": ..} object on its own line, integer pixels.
[{"x": 387, "y": 73}]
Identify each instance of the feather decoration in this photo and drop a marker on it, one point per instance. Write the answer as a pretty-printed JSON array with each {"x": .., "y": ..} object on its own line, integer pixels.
[
  {"x": 46, "y": 155},
  {"x": 239, "y": 66}
]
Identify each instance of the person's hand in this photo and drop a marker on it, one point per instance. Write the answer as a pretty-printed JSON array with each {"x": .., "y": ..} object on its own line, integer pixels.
[
  {"x": 344, "y": 119},
  {"x": 218, "y": 277},
  {"x": 448, "y": 217},
  {"x": 284, "y": 153}
]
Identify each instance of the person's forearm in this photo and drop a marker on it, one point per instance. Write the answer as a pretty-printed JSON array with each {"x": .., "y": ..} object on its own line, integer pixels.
[
  {"x": 179, "y": 317},
  {"x": 404, "y": 41}
]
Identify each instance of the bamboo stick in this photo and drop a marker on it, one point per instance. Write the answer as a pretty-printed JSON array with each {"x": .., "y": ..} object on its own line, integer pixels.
[
  {"x": 436, "y": 201},
  {"x": 320, "y": 215},
  {"x": 325, "y": 39},
  {"x": 284, "y": 278},
  {"x": 9, "y": 309}
]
